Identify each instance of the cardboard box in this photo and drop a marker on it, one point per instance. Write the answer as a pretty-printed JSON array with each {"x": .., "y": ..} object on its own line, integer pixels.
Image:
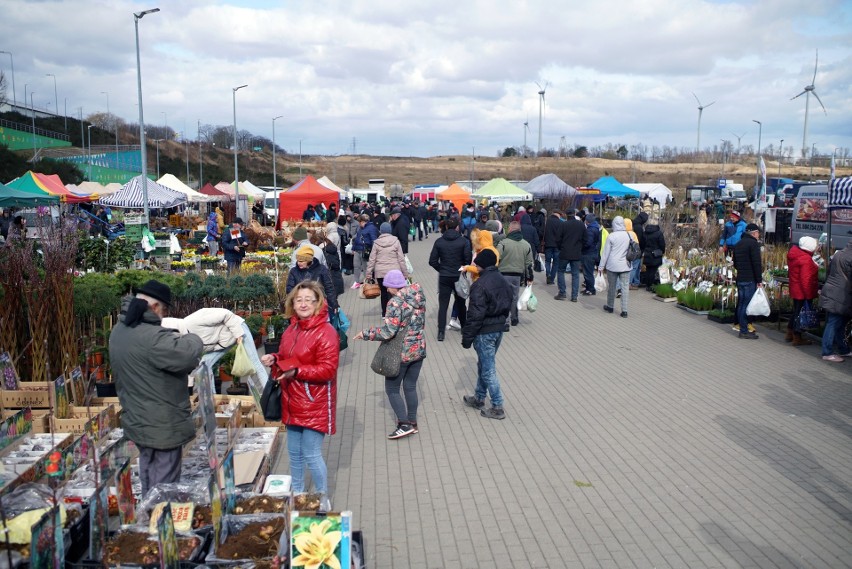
[
  {"x": 77, "y": 420},
  {"x": 34, "y": 394},
  {"x": 41, "y": 423}
]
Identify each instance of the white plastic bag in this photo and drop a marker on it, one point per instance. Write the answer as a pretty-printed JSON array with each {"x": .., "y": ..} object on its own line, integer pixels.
[
  {"x": 600, "y": 282},
  {"x": 524, "y": 298},
  {"x": 408, "y": 266},
  {"x": 759, "y": 304},
  {"x": 348, "y": 248}
]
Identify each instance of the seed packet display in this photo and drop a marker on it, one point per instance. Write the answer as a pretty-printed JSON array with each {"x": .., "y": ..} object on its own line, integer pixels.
[
  {"x": 47, "y": 550},
  {"x": 320, "y": 540},
  {"x": 61, "y": 408},
  {"x": 124, "y": 484},
  {"x": 98, "y": 520},
  {"x": 169, "y": 558},
  {"x": 7, "y": 369},
  {"x": 230, "y": 488},
  {"x": 215, "y": 509}
]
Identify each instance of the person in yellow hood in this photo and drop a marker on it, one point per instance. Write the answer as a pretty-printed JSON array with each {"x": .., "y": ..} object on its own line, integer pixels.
[{"x": 480, "y": 239}]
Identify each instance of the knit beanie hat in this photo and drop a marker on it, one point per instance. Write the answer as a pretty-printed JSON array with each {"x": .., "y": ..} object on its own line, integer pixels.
[
  {"x": 305, "y": 254},
  {"x": 385, "y": 227},
  {"x": 394, "y": 279},
  {"x": 486, "y": 258},
  {"x": 808, "y": 244},
  {"x": 300, "y": 234}
]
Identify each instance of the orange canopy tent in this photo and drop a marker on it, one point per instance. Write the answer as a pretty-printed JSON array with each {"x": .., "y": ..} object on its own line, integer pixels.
[
  {"x": 455, "y": 194},
  {"x": 307, "y": 192}
]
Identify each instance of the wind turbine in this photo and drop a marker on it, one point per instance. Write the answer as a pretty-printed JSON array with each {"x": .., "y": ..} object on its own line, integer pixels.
[
  {"x": 526, "y": 130},
  {"x": 541, "y": 91},
  {"x": 739, "y": 140},
  {"x": 807, "y": 93},
  {"x": 700, "y": 110}
]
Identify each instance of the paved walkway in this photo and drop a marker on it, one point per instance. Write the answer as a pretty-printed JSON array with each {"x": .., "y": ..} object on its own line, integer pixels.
[{"x": 660, "y": 440}]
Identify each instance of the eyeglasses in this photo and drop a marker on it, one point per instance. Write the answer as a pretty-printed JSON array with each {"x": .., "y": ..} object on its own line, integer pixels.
[{"x": 304, "y": 301}]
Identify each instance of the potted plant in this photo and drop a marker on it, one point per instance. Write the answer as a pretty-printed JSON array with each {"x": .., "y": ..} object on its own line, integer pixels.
[
  {"x": 665, "y": 292},
  {"x": 255, "y": 325},
  {"x": 275, "y": 327},
  {"x": 693, "y": 301},
  {"x": 722, "y": 315}
]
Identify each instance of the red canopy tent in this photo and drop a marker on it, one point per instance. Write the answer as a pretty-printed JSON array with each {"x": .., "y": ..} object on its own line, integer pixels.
[
  {"x": 210, "y": 190},
  {"x": 307, "y": 192}
]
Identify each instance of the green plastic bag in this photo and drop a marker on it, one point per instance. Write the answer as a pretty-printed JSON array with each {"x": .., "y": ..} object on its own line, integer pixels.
[
  {"x": 532, "y": 303},
  {"x": 242, "y": 364}
]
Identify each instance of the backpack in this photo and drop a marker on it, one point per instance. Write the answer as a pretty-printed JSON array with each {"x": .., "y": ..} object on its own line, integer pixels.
[
  {"x": 633, "y": 251},
  {"x": 344, "y": 237}
]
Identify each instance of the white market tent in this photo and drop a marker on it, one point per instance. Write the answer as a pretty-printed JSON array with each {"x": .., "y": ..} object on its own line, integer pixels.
[
  {"x": 252, "y": 190},
  {"x": 501, "y": 190},
  {"x": 657, "y": 191},
  {"x": 325, "y": 182},
  {"x": 130, "y": 196},
  {"x": 171, "y": 182},
  {"x": 550, "y": 186},
  {"x": 110, "y": 188}
]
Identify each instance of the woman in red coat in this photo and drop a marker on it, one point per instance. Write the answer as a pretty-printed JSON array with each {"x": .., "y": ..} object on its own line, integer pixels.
[
  {"x": 306, "y": 366},
  {"x": 802, "y": 272}
]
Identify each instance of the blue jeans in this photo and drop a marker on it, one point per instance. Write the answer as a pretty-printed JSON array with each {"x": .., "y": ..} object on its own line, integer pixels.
[
  {"x": 487, "y": 382},
  {"x": 833, "y": 335},
  {"x": 551, "y": 262},
  {"x": 305, "y": 447},
  {"x": 589, "y": 262},
  {"x": 635, "y": 280},
  {"x": 575, "y": 277},
  {"x": 744, "y": 293}
]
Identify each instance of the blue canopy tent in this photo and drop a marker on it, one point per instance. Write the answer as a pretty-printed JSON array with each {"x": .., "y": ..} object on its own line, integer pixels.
[{"x": 613, "y": 188}]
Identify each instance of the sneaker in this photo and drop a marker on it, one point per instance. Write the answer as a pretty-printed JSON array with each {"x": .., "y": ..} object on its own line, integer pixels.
[
  {"x": 402, "y": 430},
  {"x": 356, "y": 285},
  {"x": 634, "y": 287},
  {"x": 748, "y": 336},
  {"x": 560, "y": 297},
  {"x": 455, "y": 324},
  {"x": 472, "y": 401},
  {"x": 493, "y": 413},
  {"x": 618, "y": 294},
  {"x": 624, "y": 315},
  {"x": 573, "y": 299},
  {"x": 588, "y": 293},
  {"x": 550, "y": 281},
  {"x": 736, "y": 327},
  {"x": 833, "y": 358},
  {"x": 414, "y": 426},
  {"x": 608, "y": 308}
]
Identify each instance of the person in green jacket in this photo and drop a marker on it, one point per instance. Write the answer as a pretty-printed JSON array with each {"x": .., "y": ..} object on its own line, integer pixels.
[
  {"x": 150, "y": 365},
  {"x": 516, "y": 263}
]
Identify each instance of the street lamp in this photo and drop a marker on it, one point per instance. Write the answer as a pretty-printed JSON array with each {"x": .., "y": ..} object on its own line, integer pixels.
[
  {"x": 89, "y": 128},
  {"x": 143, "y": 153},
  {"x": 200, "y": 161},
  {"x": 32, "y": 108},
  {"x": 780, "y": 156},
  {"x": 157, "y": 142},
  {"x": 274, "y": 171},
  {"x": 236, "y": 166},
  {"x": 12, "y": 61},
  {"x": 55, "y": 93},
  {"x": 759, "y": 136}
]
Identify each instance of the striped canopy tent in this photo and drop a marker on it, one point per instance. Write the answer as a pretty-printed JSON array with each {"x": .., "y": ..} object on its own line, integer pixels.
[
  {"x": 14, "y": 197},
  {"x": 550, "y": 186},
  {"x": 501, "y": 190},
  {"x": 49, "y": 184},
  {"x": 170, "y": 181},
  {"x": 840, "y": 192},
  {"x": 130, "y": 196}
]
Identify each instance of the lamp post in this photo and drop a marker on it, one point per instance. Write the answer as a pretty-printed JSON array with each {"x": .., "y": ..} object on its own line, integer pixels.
[
  {"x": 82, "y": 134},
  {"x": 55, "y": 92},
  {"x": 186, "y": 141},
  {"x": 12, "y": 61},
  {"x": 200, "y": 161},
  {"x": 89, "y": 129},
  {"x": 157, "y": 143},
  {"x": 143, "y": 153},
  {"x": 32, "y": 108},
  {"x": 275, "y": 171},
  {"x": 759, "y": 136},
  {"x": 236, "y": 165},
  {"x": 780, "y": 156}
]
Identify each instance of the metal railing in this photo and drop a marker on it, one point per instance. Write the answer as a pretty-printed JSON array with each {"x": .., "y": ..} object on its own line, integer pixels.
[{"x": 39, "y": 131}]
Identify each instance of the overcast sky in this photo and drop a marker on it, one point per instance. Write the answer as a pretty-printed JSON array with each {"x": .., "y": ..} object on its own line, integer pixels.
[{"x": 440, "y": 77}]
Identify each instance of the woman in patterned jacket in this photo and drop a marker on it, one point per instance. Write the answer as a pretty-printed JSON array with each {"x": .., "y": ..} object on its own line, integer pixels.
[{"x": 406, "y": 314}]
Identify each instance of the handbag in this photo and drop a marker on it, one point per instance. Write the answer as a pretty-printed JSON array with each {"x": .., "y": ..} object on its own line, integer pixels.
[
  {"x": 370, "y": 289},
  {"x": 808, "y": 317},
  {"x": 270, "y": 400},
  {"x": 388, "y": 357}
]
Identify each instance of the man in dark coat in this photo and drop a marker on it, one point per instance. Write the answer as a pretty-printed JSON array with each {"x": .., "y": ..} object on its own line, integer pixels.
[
  {"x": 450, "y": 252},
  {"x": 551, "y": 245},
  {"x": 836, "y": 300},
  {"x": 400, "y": 226},
  {"x": 530, "y": 234},
  {"x": 571, "y": 235},
  {"x": 749, "y": 275},
  {"x": 639, "y": 229},
  {"x": 591, "y": 252},
  {"x": 150, "y": 364},
  {"x": 234, "y": 245},
  {"x": 652, "y": 254},
  {"x": 490, "y": 302}
]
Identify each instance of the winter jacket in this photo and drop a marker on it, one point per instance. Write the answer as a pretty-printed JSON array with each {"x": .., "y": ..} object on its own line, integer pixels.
[
  {"x": 386, "y": 256},
  {"x": 150, "y": 364},
  {"x": 571, "y": 236},
  {"x": 229, "y": 243},
  {"x": 516, "y": 257},
  {"x": 364, "y": 238},
  {"x": 399, "y": 229},
  {"x": 747, "y": 260},
  {"x": 551, "y": 231},
  {"x": 802, "y": 272},
  {"x": 639, "y": 228},
  {"x": 592, "y": 237},
  {"x": 628, "y": 227},
  {"x": 212, "y": 228},
  {"x": 480, "y": 241},
  {"x": 406, "y": 314},
  {"x": 450, "y": 252},
  {"x": 333, "y": 259},
  {"x": 654, "y": 241},
  {"x": 732, "y": 233},
  {"x": 489, "y": 303},
  {"x": 352, "y": 227},
  {"x": 310, "y": 398},
  {"x": 218, "y": 328},
  {"x": 314, "y": 272},
  {"x": 836, "y": 296},
  {"x": 538, "y": 221},
  {"x": 529, "y": 232},
  {"x": 614, "y": 257}
]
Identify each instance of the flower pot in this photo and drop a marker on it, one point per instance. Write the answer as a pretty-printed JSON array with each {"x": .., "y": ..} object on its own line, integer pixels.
[
  {"x": 722, "y": 319},
  {"x": 98, "y": 358},
  {"x": 693, "y": 311},
  {"x": 267, "y": 313},
  {"x": 224, "y": 376},
  {"x": 241, "y": 389},
  {"x": 271, "y": 346},
  {"x": 106, "y": 389}
]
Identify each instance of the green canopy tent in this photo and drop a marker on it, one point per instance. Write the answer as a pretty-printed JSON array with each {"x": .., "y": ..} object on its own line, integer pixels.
[
  {"x": 501, "y": 190},
  {"x": 25, "y": 197}
]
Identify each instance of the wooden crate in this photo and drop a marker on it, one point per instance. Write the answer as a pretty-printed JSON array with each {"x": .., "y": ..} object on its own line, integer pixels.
[
  {"x": 77, "y": 420},
  {"x": 34, "y": 394}
]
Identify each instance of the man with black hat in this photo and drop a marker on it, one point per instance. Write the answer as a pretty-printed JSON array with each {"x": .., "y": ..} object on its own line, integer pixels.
[
  {"x": 234, "y": 245},
  {"x": 749, "y": 279},
  {"x": 400, "y": 226},
  {"x": 488, "y": 308},
  {"x": 150, "y": 365}
]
